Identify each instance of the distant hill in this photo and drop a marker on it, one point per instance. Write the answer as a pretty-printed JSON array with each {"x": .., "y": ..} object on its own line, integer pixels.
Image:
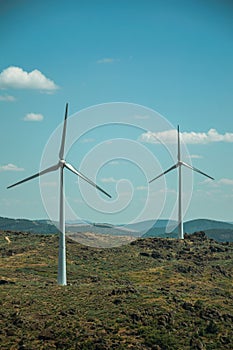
[
  {"x": 144, "y": 225},
  {"x": 101, "y": 240},
  {"x": 205, "y": 224},
  {"x": 218, "y": 230},
  {"x": 101, "y": 228},
  {"x": 25, "y": 225},
  {"x": 48, "y": 227}
]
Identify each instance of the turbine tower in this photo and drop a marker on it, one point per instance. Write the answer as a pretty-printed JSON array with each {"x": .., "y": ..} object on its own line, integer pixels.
[
  {"x": 61, "y": 165},
  {"x": 179, "y": 165}
]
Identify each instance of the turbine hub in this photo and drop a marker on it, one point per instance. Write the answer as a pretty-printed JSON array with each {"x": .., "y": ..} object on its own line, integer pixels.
[{"x": 62, "y": 162}]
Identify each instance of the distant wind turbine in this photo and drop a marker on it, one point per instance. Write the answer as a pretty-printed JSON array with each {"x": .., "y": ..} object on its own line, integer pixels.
[
  {"x": 62, "y": 164},
  {"x": 179, "y": 165}
]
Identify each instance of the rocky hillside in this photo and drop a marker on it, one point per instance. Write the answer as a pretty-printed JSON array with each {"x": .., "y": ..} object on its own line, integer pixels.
[{"x": 161, "y": 294}]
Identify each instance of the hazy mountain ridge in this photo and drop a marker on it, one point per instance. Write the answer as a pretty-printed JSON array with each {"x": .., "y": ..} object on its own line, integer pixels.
[
  {"x": 205, "y": 224},
  {"x": 219, "y": 230},
  {"x": 25, "y": 225}
]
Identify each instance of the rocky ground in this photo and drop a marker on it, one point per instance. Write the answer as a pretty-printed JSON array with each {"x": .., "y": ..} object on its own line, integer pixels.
[{"x": 153, "y": 293}]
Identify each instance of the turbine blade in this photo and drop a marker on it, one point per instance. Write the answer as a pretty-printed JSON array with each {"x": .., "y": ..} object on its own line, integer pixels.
[
  {"x": 165, "y": 172},
  {"x": 75, "y": 171},
  {"x": 197, "y": 170},
  {"x": 61, "y": 153},
  {"x": 48, "y": 170},
  {"x": 178, "y": 135}
]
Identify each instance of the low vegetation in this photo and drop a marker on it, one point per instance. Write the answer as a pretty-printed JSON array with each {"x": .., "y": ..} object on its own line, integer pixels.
[{"x": 154, "y": 293}]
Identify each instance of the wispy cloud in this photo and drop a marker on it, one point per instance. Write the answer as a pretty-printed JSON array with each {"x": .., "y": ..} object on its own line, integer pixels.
[
  {"x": 195, "y": 156},
  {"x": 108, "y": 180},
  {"x": 10, "y": 167},
  {"x": 170, "y": 136},
  {"x": 217, "y": 183},
  {"x": 49, "y": 184},
  {"x": 7, "y": 98},
  {"x": 113, "y": 162},
  {"x": 141, "y": 117},
  {"x": 225, "y": 181},
  {"x": 87, "y": 140},
  {"x": 167, "y": 190},
  {"x": 33, "y": 117},
  {"x": 142, "y": 188},
  {"x": 16, "y": 78},
  {"x": 107, "y": 60}
]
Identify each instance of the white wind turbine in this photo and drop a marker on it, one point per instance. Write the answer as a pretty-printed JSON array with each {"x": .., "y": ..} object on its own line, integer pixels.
[
  {"x": 179, "y": 165},
  {"x": 61, "y": 165}
]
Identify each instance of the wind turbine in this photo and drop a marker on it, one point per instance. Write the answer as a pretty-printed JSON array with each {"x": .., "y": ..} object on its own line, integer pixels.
[
  {"x": 179, "y": 165},
  {"x": 61, "y": 165}
]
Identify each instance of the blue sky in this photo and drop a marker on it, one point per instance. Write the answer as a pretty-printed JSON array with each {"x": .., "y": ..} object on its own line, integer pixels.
[{"x": 174, "y": 57}]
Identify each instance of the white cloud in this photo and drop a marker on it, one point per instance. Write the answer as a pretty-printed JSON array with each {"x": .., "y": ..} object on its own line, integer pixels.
[
  {"x": 167, "y": 190},
  {"x": 108, "y": 179},
  {"x": 49, "y": 184},
  {"x": 113, "y": 162},
  {"x": 87, "y": 140},
  {"x": 217, "y": 183},
  {"x": 141, "y": 188},
  {"x": 33, "y": 117},
  {"x": 225, "y": 181},
  {"x": 195, "y": 156},
  {"x": 170, "y": 136},
  {"x": 7, "y": 98},
  {"x": 16, "y": 78},
  {"x": 141, "y": 117},
  {"x": 107, "y": 60},
  {"x": 10, "y": 167}
]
